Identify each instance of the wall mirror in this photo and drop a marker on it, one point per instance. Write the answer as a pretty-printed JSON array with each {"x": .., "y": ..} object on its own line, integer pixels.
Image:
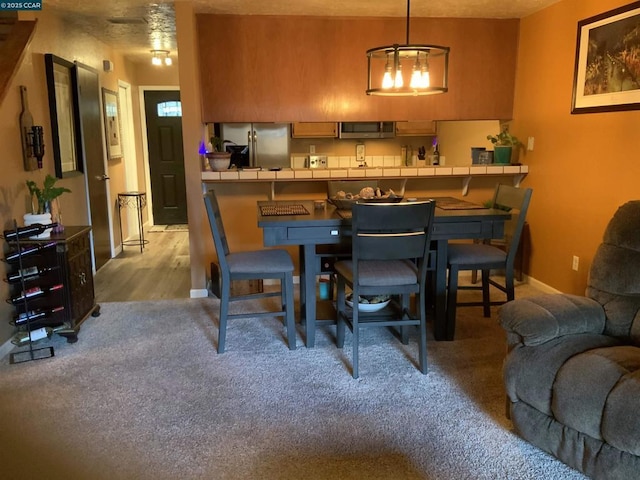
[{"x": 62, "y": 87}]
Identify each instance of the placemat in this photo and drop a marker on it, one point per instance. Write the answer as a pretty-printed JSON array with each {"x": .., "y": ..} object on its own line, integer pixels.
[
  {"x": 456, "y": 204},
  {"x": 277, "y": 210}
]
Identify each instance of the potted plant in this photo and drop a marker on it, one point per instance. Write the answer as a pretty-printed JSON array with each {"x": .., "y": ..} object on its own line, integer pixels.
[
  {"x": 218, "y": 159},
  {"x": 41, "y": 199},
  {"x": 503, "y": 144}
]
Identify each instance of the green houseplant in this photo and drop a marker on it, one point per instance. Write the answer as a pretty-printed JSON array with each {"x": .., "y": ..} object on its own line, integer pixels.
[
  {"x": 503, "y": 145},
  {"x": 41, "y": 198}
]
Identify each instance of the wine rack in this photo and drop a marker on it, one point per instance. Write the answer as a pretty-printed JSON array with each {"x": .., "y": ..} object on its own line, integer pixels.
[{"x": 51, "y": 284}]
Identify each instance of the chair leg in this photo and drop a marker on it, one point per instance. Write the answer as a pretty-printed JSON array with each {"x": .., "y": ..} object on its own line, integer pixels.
[
  {"x": 486, "y": 300},
  {"x": 340, "y": 311},
  {"x": 452, "y": 298},
  {"x": 356, "y": 339},
  {"x": 224, "y": 313},
  {"x": 422, "y": 352},
  {"x": 509, "y": 284},
  {"x": 287, "y": 288},
  {"x": 404, "y": 329}
]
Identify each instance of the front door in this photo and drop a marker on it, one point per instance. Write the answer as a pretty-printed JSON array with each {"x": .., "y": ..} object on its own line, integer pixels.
[
  {"x": 166, "y": 159},
  {"x": 89, "y": 103}
]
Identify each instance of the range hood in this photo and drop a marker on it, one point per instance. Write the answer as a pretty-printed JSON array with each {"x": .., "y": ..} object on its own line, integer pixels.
[{"x": 367, "y": 130}]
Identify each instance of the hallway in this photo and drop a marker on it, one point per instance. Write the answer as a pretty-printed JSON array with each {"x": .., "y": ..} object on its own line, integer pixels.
[{"x": 162, "y": 271}]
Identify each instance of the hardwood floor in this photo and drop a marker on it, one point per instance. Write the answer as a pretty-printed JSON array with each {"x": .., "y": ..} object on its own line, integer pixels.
[{"x": 162, "y": 271}]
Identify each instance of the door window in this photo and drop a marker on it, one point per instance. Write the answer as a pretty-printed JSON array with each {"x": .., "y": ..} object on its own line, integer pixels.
[{"x": 170, "y": 109}]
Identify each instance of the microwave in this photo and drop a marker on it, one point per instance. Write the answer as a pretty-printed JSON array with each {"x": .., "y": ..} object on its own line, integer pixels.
[{"x": 367, "y": 129}]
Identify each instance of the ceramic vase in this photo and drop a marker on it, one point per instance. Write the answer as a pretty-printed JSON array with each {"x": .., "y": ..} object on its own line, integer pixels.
[
  {"x": 41, "y": 218},
  {"x": 502, "y": 154}
]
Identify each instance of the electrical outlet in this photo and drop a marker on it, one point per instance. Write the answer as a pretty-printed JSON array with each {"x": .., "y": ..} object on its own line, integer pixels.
[
  {"x": 360, "y": 152},
  {"x": 312, "y": 149},
  {"x": 575, "y": 263}
]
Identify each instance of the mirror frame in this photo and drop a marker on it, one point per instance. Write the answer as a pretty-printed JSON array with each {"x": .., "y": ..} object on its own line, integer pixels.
[{"x": 62, "y": 86}]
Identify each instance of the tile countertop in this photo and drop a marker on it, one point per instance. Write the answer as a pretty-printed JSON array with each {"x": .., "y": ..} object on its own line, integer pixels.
[{"x": 287, "y": 174}]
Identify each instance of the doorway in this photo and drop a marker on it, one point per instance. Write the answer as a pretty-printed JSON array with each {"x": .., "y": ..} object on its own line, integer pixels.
[
  {"x": 163, "y": 115},
  {"x": 95, "y": 169}
]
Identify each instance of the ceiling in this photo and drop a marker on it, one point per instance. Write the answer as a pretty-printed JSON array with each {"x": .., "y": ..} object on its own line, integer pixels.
[{"x": 135, "y": 27}]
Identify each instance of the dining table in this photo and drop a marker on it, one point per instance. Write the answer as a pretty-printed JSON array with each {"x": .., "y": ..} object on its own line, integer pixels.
[{"x": 318, "y": 228}]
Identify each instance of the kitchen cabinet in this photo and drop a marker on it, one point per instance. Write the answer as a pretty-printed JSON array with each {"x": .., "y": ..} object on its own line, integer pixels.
[
  {"x": 314, "y": 129},
  {"x": 315, "y": 68},
  {"x": 415, "y": 129}
]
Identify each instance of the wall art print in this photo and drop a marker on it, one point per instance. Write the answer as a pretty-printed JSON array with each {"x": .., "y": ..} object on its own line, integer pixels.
[{"x": 607, "y": 67}]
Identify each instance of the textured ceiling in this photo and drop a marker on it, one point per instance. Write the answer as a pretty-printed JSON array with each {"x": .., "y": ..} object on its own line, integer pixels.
[{"x": 151, "y": 25}]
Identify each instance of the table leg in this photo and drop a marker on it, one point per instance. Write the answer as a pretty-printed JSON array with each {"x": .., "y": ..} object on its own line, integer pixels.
[
  {"x": 440, "y": 321},
  {"x": 308, "y": 280}
]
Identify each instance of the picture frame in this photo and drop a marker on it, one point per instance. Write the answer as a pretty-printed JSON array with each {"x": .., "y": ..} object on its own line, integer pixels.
[
  {"x": 607, "y": 64},
  {"x": 112, "y": 130},
  {"x": 62, "y": 88}
]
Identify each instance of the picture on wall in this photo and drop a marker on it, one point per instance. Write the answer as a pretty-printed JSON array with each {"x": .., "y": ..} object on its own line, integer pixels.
[
  {"x": 112, "y": 123},
  {"x": 607, "y": 67}
]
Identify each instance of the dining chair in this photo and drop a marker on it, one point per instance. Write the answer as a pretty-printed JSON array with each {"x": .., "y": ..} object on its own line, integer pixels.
[
  {"x": 390, "y": 256},
  {"x": 273, "y": 264},
  {"x": 487, "y": 257}
]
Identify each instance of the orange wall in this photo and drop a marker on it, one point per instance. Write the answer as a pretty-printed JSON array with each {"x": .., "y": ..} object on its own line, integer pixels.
[{"x": 583, "y": 166}]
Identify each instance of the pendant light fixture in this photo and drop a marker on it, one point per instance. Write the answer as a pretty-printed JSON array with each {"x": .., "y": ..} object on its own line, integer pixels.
[
  {"x": 159, "y": 57},
  {"x": 423, "y": 64}
]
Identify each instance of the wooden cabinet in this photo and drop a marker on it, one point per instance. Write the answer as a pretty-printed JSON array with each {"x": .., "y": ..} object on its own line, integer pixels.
[
  {"x": 314, "y": 129},
  {"x": 314, "y": 69},
  {"x": 67, "y": 279},
  {"x": 415, "y": 129}
]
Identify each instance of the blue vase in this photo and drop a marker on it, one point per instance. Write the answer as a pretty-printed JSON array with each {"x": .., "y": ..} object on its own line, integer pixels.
[{"x": 502, "y": 154}]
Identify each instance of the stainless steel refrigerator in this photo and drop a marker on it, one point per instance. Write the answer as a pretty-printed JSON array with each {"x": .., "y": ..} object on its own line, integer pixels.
[{"x": 268, "y": 143}]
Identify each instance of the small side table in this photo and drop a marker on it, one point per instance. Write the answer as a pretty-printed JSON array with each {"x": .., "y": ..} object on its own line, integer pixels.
[{"x": 137, "y": 201}]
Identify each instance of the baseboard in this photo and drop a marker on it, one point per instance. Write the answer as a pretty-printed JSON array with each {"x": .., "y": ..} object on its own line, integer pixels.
[
  {"x": 6, "y": 348},
  {"x": 198, "y": 293},
  {"x": 540, "y": 286}
]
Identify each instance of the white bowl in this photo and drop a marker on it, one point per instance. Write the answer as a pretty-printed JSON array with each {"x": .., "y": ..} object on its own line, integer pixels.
[{"x": 368, "y": 307}]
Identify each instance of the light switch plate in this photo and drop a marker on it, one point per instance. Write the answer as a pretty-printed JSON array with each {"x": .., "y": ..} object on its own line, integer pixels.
[
  {"x": 530, "y": 141},
  {"x": 360, "y": 152}
]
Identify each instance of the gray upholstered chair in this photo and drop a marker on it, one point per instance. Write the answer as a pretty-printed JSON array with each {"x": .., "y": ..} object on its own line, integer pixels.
[
  {"x": 390, "y": 256},
  {"x": 251, "y": 265},
  {"x": 487, "y": 257},
  {"x": 572, "y": 372}
]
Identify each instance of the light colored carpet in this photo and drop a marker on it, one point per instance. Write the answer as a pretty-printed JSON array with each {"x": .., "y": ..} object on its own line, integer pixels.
[{"x": 143, "y": 395}]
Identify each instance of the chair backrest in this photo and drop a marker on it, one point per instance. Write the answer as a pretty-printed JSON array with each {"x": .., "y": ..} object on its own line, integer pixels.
[
  {"x": 392, "y": 231},
  {"x": 217, "y": 228},
  {"x": 516, "y": 201},
  {"x": 614, "y": 276}
]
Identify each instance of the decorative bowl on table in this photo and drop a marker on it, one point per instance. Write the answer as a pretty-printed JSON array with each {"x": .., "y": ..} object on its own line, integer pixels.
[
  {"x": 369, "y": 303},
  {"x": 347, "y": 203}
]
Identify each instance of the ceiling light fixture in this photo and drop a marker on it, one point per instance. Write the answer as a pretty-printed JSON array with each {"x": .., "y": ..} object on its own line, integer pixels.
[
  {"x": 160, "y": 56},
  {"x": 385, "y": 67}
]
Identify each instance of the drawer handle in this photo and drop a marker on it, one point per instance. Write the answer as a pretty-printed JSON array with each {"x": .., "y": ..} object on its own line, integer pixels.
[{"x": 334, "y": 233}]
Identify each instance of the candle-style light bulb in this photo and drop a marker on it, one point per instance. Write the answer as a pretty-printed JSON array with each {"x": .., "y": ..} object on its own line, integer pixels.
[{"x": 387, "y": 79}]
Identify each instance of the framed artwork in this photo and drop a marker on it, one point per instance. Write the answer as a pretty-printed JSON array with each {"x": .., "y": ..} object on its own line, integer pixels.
[
  {"x": 607, "y": 67},
  {"x": 112, "y": 123},
  {"x": 62, "y": 87}
]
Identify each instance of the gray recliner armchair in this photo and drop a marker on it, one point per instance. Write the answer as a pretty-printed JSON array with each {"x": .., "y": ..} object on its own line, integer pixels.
[{"x": 572, "y": 372}]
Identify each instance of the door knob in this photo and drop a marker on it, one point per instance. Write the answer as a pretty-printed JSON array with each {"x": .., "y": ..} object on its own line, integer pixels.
[{"x": 102, "y": 177}]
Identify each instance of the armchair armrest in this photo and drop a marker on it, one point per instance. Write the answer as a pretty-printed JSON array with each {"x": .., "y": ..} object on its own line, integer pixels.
[{"x": 536, "y": 320}]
